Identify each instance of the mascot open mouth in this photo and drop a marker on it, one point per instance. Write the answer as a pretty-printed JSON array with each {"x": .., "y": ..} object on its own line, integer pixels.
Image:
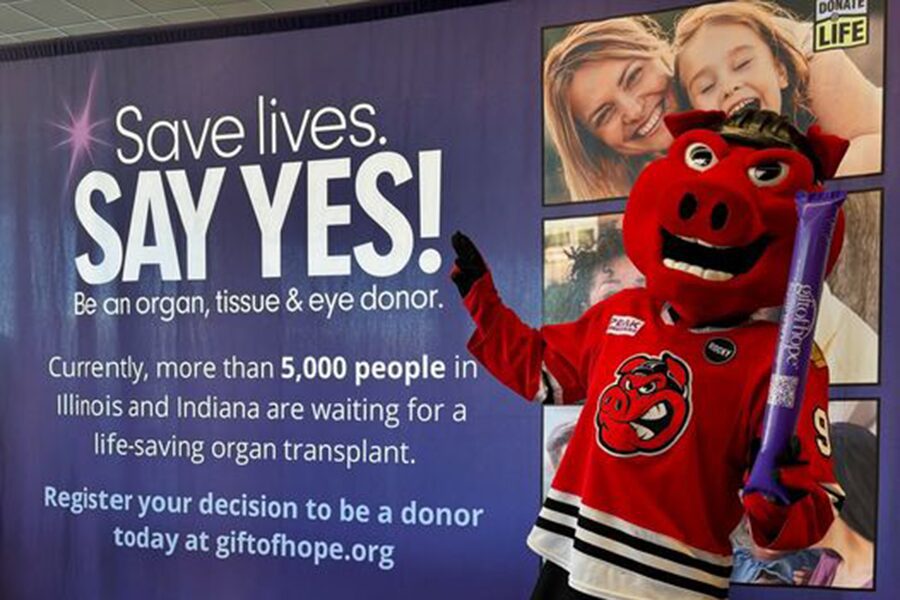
[
  {"x": 707, "y": 261},
  {"x": 653, "y": 421}
]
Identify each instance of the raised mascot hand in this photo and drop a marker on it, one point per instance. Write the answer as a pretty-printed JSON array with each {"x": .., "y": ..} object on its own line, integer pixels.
[{"x": 469, "y": 266}]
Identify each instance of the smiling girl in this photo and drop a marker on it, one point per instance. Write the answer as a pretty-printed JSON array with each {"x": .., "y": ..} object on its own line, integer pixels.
[{"x": 734, "y": 55}]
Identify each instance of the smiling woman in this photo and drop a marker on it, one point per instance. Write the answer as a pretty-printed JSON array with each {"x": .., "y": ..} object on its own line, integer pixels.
[{"x": 607, "y": 86}]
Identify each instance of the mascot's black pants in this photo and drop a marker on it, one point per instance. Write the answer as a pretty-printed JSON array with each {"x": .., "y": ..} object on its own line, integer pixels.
[{"x": 553, "y": 584}]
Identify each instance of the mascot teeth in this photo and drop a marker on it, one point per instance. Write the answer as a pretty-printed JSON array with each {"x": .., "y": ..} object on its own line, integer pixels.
[
  {"x": 709, "y": 274},
  {"x": 712, "y": 275},
  {"x": 701, "y": 242},
  {"x": 641, "y": 431}
]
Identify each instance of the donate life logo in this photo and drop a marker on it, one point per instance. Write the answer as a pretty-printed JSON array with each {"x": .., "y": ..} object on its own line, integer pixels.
[{"x": 841, "y": 24}]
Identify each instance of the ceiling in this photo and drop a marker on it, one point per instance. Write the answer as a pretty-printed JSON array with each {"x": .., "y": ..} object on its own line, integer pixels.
[{"x": 24, "y": 21}]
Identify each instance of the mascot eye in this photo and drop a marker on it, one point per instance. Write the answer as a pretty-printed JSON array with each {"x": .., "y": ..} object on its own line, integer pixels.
[
  {"x": 628, "y": 385},
  {"x": 768, "y": 173},
  {"x": 647, "y": 388},
  {"x": 699, "y": 157}
]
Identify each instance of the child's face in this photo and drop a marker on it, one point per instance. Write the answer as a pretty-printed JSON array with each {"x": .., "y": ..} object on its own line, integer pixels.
[
  {"x": 621, "y": 101},
  {"x": 612, "y": 277},
  {"x": 727, "y": 66}
]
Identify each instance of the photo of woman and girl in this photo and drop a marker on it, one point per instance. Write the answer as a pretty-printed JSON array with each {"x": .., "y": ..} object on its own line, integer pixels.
[{"x": 607, "y": 84}]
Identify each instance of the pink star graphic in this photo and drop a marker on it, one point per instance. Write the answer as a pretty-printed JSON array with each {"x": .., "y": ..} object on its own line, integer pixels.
[{"x": 80, "y": 130}]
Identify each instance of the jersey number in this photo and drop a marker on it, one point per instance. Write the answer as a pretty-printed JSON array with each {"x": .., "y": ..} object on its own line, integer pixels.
[{"x": 823, "y": 432}]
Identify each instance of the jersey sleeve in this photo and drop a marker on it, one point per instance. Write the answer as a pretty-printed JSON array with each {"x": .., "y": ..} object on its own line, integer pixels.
[
  {"x": 808, "y": 475},
  {"x": 814, "y": 430},
  {"x": 546, "y": 364}
]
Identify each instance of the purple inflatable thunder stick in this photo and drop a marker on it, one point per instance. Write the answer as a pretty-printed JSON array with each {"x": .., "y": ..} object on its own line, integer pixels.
[{"x": 818, "y": 213}]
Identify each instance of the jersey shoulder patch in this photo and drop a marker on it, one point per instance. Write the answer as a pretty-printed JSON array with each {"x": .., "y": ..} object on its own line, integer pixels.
[{"x": 624, "y": 325}]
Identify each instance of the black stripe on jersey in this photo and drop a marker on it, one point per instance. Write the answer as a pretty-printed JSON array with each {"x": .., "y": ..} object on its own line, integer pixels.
[
  {"x": 639, "y": 544},
  {"x": 634, "y": 566},
  {"x": 647, "y": 547},
  {"x": 554, "y": 527},
  {"x": 561, "y": 507}
]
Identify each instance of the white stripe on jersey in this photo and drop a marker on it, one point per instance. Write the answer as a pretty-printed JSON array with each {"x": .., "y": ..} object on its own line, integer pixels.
[{"x": 612, "y": 558}]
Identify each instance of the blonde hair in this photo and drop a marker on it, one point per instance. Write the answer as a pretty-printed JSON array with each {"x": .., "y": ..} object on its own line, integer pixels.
[
  {"x": 592, "y": 169},
  {"x": 761, "y": 17}
]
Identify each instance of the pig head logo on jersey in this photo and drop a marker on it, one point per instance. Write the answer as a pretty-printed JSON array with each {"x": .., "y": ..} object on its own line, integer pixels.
[{"x": 647, "y": 408}]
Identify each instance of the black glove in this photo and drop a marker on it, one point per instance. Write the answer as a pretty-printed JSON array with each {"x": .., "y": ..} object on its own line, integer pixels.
[{"x": 469, "y": 266}]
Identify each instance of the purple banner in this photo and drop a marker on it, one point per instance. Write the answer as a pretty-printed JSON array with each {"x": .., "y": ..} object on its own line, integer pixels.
[{"x": 232, "y": 362}]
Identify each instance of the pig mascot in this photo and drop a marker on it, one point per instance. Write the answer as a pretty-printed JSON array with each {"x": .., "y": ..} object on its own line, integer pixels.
[{"x": 674, "y": 376}]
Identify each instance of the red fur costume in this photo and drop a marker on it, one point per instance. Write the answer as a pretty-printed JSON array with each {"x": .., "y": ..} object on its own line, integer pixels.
[{"x": 674, "y": 377}]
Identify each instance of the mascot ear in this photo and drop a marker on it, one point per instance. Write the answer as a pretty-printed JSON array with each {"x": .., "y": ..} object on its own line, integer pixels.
[
  {"x": 676, "y": 370},
  {"x": 829, "y": 149},
  {"x": 678, "y": 123},
  {"x": 631, "y": 365}
]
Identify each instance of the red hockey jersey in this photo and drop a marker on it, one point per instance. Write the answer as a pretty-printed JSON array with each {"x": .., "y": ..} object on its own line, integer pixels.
[{"x": 647, "y": 493}]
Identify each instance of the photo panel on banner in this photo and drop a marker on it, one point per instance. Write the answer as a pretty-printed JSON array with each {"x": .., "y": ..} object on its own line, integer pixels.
[
  {"x": 845, "y": 558},
  {"x": 607, "y": 84}
]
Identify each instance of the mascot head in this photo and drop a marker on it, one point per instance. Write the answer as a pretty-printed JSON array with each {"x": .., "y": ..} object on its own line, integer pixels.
[{"x": 711, "y": 225}]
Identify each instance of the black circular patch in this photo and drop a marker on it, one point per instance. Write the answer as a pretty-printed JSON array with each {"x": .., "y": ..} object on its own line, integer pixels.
[{"x": 719, "y": 351}]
